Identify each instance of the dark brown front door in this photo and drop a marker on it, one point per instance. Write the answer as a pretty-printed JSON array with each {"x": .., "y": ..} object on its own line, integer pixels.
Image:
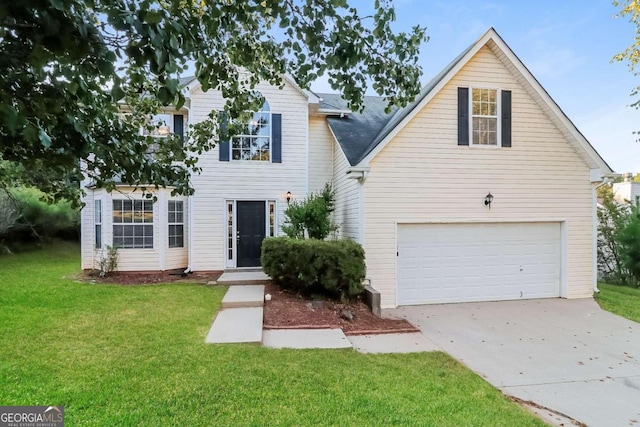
[{"x": 250, "y": 232}]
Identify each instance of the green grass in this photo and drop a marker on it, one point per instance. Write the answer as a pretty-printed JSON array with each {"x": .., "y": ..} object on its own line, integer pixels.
[
  {"x": 116, "y": 355},
  {"x": 621, "y": 300}
]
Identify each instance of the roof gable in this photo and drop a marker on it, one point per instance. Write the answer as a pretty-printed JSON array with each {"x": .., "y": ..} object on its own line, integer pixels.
[{"x": 396, "y": 122}]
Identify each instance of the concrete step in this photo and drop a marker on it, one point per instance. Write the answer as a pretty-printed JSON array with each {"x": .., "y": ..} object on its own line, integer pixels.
[
  {"x": 237, "y": 325},
  {"x": 241, "y": 277},
  {"x": 305, "y": 338},
  {"x": 393, "y": 343},
  {"x": 244, "y": 296}
]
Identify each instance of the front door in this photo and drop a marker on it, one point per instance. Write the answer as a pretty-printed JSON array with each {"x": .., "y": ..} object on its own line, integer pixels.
[{"x": 250, "y": 232}]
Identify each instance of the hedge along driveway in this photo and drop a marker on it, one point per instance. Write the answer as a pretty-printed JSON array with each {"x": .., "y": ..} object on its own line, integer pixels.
[{"x": 115, "y": 355}]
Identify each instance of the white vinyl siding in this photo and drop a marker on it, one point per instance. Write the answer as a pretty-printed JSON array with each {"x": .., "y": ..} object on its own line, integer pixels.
[
  {"x": 321, "y": 145},
  {"x": 423, "y": 176},
  {"x": 158, "y": 258},
  {"x": 221, "y": 181},
  {"x": 347, "y": 207}
]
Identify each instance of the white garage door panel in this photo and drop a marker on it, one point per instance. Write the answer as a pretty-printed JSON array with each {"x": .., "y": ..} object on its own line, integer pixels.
[{"x": 477, "y": 262}]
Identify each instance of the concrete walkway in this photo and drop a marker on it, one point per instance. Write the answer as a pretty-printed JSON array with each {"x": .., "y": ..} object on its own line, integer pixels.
[
  {"x": 240, "y": 318},
  {"x": 566, "y": 355},
  {"x": 392, "y": 343},
  {"x": 305, "y": 338},
  {"x": 243, "y": 277}
]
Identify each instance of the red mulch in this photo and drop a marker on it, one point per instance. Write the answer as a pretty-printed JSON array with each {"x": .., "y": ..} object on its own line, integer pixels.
[
  {"x": 289, "y": 311},
  {"x": 150, "y": 278}
]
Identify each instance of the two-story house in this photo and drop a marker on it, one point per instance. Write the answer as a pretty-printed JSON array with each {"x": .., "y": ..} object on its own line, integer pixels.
[{"x": 481, "y": 189}]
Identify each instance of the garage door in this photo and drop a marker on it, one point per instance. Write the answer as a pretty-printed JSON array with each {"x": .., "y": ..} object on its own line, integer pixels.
[{"x": 439, "y": 263}]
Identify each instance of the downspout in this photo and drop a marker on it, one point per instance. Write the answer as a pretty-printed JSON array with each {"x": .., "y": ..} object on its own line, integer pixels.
[{"x": 190, "y": 204}]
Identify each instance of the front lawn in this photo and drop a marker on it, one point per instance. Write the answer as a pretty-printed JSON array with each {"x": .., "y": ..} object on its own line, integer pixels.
[
  {"x": 621, "y": 300},
  {"x": 122, "y": 355}
]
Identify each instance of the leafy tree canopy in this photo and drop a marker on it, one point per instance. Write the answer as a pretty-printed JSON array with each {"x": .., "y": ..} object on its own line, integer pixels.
[
  {"x": 630, "y": 9},
  {"x": 67, "y": 66}
]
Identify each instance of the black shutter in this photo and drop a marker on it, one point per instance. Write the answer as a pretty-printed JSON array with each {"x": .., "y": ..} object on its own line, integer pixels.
[
  {"x": 463, "y": 116},
  {"x": 506, "y": 118},
  {"x": 178, "y": 125},
  {"x": 224, "y": 144},
  {"x": 276, "y": 138}
]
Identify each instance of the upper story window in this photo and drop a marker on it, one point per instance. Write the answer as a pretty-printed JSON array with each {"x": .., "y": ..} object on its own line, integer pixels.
[
  {"x": 254, "y": 141},
  {"x": 484, "y": 117}
]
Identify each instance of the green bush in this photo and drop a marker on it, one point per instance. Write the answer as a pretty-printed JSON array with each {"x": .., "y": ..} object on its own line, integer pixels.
[
  {"x": 312, "y": 216},
  {"x": 333, "y": 268},
  {"x": 629, "y": 238},
  {"x": 612, "y": 218}
]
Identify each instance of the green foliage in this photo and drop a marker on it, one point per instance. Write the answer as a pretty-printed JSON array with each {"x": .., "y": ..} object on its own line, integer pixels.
[
  {"x": 67, "y": 64},
  {"x": 612, "y": 217},
  {"x": 621, "y": 300},
  {"x": 629, "y": 239},
  {"x": 40, "y": 219},
  {"x": 311, "y": 217},
  {"x": 334, "y": 268},
  {"x": 107, "y": 260}
]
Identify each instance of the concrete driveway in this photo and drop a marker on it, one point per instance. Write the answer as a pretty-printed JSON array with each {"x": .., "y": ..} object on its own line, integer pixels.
[{"x": 567, "y": 355}]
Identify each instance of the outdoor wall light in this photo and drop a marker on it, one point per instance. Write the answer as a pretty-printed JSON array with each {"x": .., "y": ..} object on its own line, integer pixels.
[
  {"x": 289, "y": 197},
  {"x": 488, "y": 199},
  {"x": 164, "y": 130}
]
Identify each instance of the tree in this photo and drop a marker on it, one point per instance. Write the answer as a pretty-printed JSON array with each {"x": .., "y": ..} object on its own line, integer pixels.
[
  {"x": 631, "y": 9},
  {"x": 312, "y": 217},
  {"x": 612, "y": 218},
  {"x": 67, "y": 65}
]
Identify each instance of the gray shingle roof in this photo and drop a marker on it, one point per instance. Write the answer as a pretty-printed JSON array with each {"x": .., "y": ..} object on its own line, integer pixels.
[{"x": 355, "y": 131}]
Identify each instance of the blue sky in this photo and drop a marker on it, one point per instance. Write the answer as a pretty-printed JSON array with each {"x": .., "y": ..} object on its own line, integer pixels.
[{"x": 567, "y": 45}]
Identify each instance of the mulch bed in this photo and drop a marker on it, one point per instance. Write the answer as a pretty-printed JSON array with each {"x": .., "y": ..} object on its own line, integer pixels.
[
  {"x": 285, "y": 310},
  {"x": 290, "y": 311},
  {"x": 151, "y": 278}
]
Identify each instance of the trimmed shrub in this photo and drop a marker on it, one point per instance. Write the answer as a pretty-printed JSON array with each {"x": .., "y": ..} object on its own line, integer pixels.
[{"x": 333, "y": 268}]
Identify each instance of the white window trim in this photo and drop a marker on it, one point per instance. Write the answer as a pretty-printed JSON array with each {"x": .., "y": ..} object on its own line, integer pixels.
[
  {"x": 270, "y": 137},
  {"x": 169, "y": 224},
  {"x": 152, "y": 223},
  {"x": 100, "y": 223},
  {"x": 498, "y": 121},
  {"x": 269, "y": 204},
  {"x": 230, "y": 262}
]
